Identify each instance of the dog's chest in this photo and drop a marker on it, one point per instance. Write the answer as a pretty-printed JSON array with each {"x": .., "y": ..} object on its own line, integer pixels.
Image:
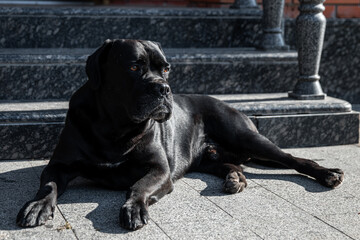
[{"x": 181, "y": 141}]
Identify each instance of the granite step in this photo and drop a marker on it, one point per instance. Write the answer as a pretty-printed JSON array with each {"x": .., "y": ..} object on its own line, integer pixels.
[
  {"x": 31, "y": 129},
  {"x": 88, "y": 27},
  {"x": 37, "y": 74}
]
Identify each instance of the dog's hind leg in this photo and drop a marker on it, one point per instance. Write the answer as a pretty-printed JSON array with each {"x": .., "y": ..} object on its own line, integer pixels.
[
  {"x": 260, "y": 147},
  {"x": 235, "y": 131},
  {"x": 53, "y": 182},
  {"x": 223, "y": 164}
]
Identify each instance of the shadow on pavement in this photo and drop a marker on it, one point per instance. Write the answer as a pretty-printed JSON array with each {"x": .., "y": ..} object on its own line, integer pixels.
[
  {"x": 19, "y": 186},
  {"x": 100, "y": 205},
  {"x": 16, "y": 188},
  {"x": 214, "y": 184}
]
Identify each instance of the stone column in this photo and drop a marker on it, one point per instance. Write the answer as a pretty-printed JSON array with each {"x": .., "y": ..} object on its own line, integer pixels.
[
  {"x": 310, "y": 28},
  {"x": 272, "y": 38},
  {"x": 243, "y": 4}
]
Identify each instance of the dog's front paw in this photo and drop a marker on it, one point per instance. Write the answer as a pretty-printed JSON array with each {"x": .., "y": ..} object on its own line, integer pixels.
[
  {"x": 35, "y": 213},
  {"x": 235, "y": 182},
  {"x": 133, "y": 215},
  {"x": 332, "y": 178}
]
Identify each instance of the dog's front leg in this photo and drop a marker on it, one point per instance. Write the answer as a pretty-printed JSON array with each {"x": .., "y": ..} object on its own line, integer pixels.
[
  {"x": 148, "y": 190},
  {"x": 54, "y": 180}
]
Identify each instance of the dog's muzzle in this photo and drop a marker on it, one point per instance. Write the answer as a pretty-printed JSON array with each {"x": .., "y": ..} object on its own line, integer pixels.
[
  {"x": 162, "y": 112},
  {"x": 156, "y": 105}
]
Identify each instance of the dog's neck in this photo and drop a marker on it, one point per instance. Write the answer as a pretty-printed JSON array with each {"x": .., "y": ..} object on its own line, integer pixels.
[{"x": 119, "y": 121}]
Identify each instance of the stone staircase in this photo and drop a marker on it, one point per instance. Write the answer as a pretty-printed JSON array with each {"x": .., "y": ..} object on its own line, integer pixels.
[{"x": 212, "y": 51}]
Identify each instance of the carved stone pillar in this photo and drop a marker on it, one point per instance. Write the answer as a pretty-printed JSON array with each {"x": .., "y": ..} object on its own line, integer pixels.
[
  {"x": 272, "y": 38},
  {"x": 243, "y": 4},
  {"x": 310, "y": 28}
]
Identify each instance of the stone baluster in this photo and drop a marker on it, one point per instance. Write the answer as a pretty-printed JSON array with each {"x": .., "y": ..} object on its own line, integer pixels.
[
  {"x": 310, "y": 28},
  {"x": 272, "y": 38},
  {"x": 243, "y": 4}
]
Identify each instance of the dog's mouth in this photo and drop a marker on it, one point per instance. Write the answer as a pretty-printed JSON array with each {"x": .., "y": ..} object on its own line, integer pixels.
[
  {"x": 159, "y": 111},
  {"x": 161, "y": 114}
]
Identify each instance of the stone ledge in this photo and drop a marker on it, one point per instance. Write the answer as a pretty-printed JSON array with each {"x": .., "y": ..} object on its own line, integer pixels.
[
  {"x": 280, "y": 104},
  {"x": 34, "y": 134},
  {"x": 79, "y": 55},
  {"x": 101, "y": 11},
  {"x": 57, "y": 73},
  {"x": 267, "y": 104}
]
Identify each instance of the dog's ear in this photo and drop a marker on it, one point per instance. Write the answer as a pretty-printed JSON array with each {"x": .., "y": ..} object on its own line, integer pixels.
[
  {"x": 93, "y": 64},
  {"x": 158, "y": 44}
]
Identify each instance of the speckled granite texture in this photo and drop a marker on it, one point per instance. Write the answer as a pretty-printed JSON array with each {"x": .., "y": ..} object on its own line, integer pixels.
[
  {"x": 340, "y": 59},
  {"x": 31, "y": 129},
  {"x": 220, "y": 71},
  {"x": 89, "y": 27},
  {"x": 197, "y": 44},
  {"x": 28, "y": 140},
  {"x": 309, "y": 130},
  {"x": 38, "y": 27},
  {"x": 27, "y": 74}
]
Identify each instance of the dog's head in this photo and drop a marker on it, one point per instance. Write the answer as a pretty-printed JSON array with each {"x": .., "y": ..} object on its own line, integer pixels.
[{"x": 133, "y": 75}]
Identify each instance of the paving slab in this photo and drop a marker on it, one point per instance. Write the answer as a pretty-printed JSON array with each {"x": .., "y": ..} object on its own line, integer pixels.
[
  {"x": 272, "y": 217},
  {"x": 185, "y": 214},
  {"x": 185, "y": 204},
  {"x": 93, "y": 213},
  {"x": 277, "y": 204},
  {"x": 18, "y": 184},
  {"x": 348, "y": 223}
]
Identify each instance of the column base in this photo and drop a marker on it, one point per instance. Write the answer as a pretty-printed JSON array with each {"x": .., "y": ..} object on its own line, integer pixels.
[
  {"x": 273, "y": 41},
  {"x": 244, "y": 4},
  {"x": 307, "y": 96},
  {"x": 274, "y": 47},
  {"x": 307, "y": 88}
]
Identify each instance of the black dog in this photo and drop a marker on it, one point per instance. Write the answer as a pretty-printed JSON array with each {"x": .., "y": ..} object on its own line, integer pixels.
[{"x": 125, "y": 129}]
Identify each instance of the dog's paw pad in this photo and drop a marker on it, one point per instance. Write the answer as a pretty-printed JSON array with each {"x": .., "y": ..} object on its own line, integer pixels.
[
  {"x": 333, "y": 178},
  {"x": 35, "y": 213},
  {"x": 235, "y": 182},
  {"x": 133, "y": 215}
]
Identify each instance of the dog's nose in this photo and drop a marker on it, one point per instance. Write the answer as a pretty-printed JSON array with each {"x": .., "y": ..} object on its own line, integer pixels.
[{"x": 164, "y": 89}]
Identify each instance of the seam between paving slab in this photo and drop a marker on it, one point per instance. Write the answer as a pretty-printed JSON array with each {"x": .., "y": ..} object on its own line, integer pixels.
[
  {"x": 313, "y": 215},
  {"x": 57, "y": 207},
  {"x": 220, "y": 208},
  {"x": 66, "y": 221},
  {"x": 161, "y": 228},
  {"x": 277, "y": 195}
]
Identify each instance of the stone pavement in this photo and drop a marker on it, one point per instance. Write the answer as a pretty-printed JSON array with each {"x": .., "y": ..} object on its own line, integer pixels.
[{"x": 277, "y": 204}]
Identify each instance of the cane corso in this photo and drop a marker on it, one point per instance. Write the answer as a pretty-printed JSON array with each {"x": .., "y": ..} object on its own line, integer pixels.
[{"x": 126, "y": 130}]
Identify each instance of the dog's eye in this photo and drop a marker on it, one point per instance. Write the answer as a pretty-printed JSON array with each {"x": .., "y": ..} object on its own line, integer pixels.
[
  {"x": 134, "y": 68},
  {"x": 167, "y": 69}
]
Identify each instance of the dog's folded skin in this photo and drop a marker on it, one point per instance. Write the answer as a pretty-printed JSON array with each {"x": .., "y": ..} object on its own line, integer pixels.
[{"x": 126, "y": 130}]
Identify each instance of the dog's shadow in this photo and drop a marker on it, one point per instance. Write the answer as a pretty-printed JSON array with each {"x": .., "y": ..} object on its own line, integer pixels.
[
  {"x": 19, "y": 186},
  {"x": 83, "y": 201},
  {"x": 214, "y": 184}
]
